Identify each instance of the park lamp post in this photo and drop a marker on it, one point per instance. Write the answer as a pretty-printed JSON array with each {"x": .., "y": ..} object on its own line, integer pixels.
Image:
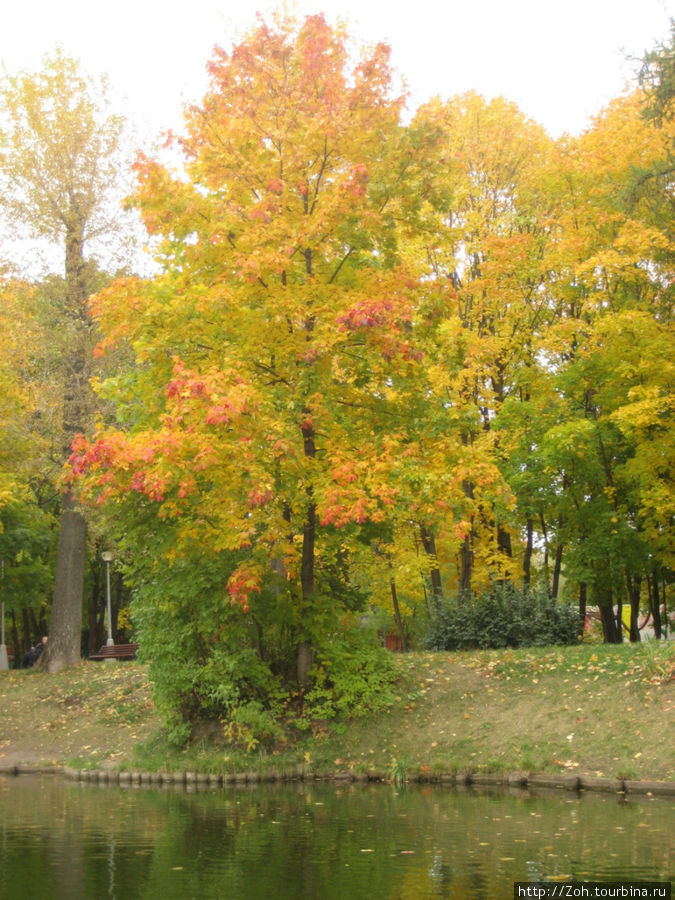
[
  {"x": 4, "y": 661},
  {"x": 107, "y": 557}
]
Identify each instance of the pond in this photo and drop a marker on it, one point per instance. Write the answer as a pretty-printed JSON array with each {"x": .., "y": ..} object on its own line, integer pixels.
[{"x": 63, "y": 839}]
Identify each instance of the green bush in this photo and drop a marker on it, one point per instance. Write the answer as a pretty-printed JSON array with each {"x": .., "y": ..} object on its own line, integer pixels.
[
  {"x": 211, "y": 662},
  {"x": 251, "y": 725},
  {"x": 352, "y": 677},
  {"x": 502, "y": 617},
  {"x": 204, "y": 653}
]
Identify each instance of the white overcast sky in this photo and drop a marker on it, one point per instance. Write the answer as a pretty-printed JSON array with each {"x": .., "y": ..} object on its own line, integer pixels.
[{"x": 560, "y": 60}]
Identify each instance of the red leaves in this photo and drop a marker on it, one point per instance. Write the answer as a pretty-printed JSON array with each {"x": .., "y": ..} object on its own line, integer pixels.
[
  {"x": 357, "y": 185},
  {"x": 345, "y": 473},
  {"x": 372, "y": 313},
  {"x": 342, "y": 509},
  {"x": 113, "y": 463},
  {"x": 148, "y": 484},
  {"x": 87, "y": 455},
  {"x": 258, "y": 497},
  {"x": 385, "y": 318},
  {"x": 218, "y": 415},
  {"x": 244, "y": 582},
  {"x": 189, "y": 386},
  {"x": 359, "y": 492},
  {"x": 275, "y": 186},
  {"x": 212, "y": 398},
  {"x": 388, "y": 306}
]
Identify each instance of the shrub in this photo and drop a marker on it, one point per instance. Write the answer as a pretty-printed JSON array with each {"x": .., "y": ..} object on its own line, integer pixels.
[
  {"x": 203, "y": 652},
  {"x": 211, "y": 662},
  {"x": 352, "y": 677},
  {"x": 502, "y": 617}
]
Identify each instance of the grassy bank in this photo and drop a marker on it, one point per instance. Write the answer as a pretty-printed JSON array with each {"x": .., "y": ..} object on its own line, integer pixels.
[{"x": 593, "y": 710}]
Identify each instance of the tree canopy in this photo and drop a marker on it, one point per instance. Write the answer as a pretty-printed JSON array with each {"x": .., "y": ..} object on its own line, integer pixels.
[{"x": 383, "y": 361}]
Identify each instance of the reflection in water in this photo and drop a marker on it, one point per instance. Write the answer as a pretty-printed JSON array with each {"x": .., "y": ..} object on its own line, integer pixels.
[{"x": 61, "y": 839}]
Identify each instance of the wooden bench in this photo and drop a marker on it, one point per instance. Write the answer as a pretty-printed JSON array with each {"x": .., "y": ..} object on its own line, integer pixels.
[{"x": 117, "y": 651}]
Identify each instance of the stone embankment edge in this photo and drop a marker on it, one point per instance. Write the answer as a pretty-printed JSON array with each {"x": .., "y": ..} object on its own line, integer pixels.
[{"x": 528, "y": 781}]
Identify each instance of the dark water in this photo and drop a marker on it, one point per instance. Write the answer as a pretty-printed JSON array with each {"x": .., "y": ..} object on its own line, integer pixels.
[{"x": 61, "y": 839}]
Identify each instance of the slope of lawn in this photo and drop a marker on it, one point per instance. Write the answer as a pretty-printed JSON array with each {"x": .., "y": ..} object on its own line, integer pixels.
[{"x": 591, "y": 709}]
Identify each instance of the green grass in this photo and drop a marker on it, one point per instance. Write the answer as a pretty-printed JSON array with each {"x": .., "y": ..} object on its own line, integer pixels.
[
  {"x": 591, "y": 709},
  {"x": 587, "y": 709}
]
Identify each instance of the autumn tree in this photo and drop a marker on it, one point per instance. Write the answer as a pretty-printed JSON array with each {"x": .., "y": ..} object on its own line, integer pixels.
[
  {"x": 606, "y": 447},
  {"x": 26, "y": 525},
  {"x": 481, "y": 259},
  {"x": 251, "y": 420},
  {"x": 59, "y": 159}
]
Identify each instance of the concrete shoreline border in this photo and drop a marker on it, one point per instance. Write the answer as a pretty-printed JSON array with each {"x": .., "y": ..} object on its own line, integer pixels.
[{"x": 524, "y": 781}]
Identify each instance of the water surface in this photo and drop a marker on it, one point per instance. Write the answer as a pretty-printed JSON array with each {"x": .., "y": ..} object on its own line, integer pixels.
[{"x": 62, "y": 839}]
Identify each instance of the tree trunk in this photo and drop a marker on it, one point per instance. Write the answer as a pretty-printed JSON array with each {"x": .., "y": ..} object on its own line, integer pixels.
[
  {"x": 466, "y": 550},
  {"x": 304, "y": 657},
  {"x": 611, "y": 634},
  {"x": 304, "y": 654},
  {"x": 664, "y": 620},
  {"x": 465, "y": 568},
  {"x": 608, "y": 625},
  {"x": 93, "y": 637},
  {"x": 527, "y": 559},
  {"x": 582, "y": 609},
  {"x": 304, "y": 663},
  {"x": 35, "y": 632},
  {"x": 504, "y": 541},
  {"x": 655, "y": 605},
  {"x": 556, "y": 571},
  {"x": 397, "y": 616},
  {"x": 505, "y": 549},
  {"x": 15, "y": 641},
  {"x": 43, "y": 629},
  {"x": 28, "y": 639},
  {"x": 429, "y": 545},
  {"x": 65, "y": 626},
  {"x": 63, "y": 648},
  {"x": 118, "y": 597},
  {"x": 544, "y": 531},
  {"x": 634, "y": 595}
]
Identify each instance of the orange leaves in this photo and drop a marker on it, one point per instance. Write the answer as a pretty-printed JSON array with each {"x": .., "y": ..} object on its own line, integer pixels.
[
  {"x": 361, "y": 322},
  {"x": 165, "y": 462},
  {"x": 289, "y": 138},
  {"x": 284, "y": 346},
  {"x": 371, "y": 313},
  {"x": 275, "y": 186},
  {"x": 358, "y": 182},
  {"x": 358, "y": 488},
  {"x": 345, "y": 472},
  {"x": 244, "y": 582},
  {"x": 259, "y": 496},
  {"x": 215, "y": 397},
  {"x": 384, "y": 317},
  {"x": 462, "y": 529}
]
